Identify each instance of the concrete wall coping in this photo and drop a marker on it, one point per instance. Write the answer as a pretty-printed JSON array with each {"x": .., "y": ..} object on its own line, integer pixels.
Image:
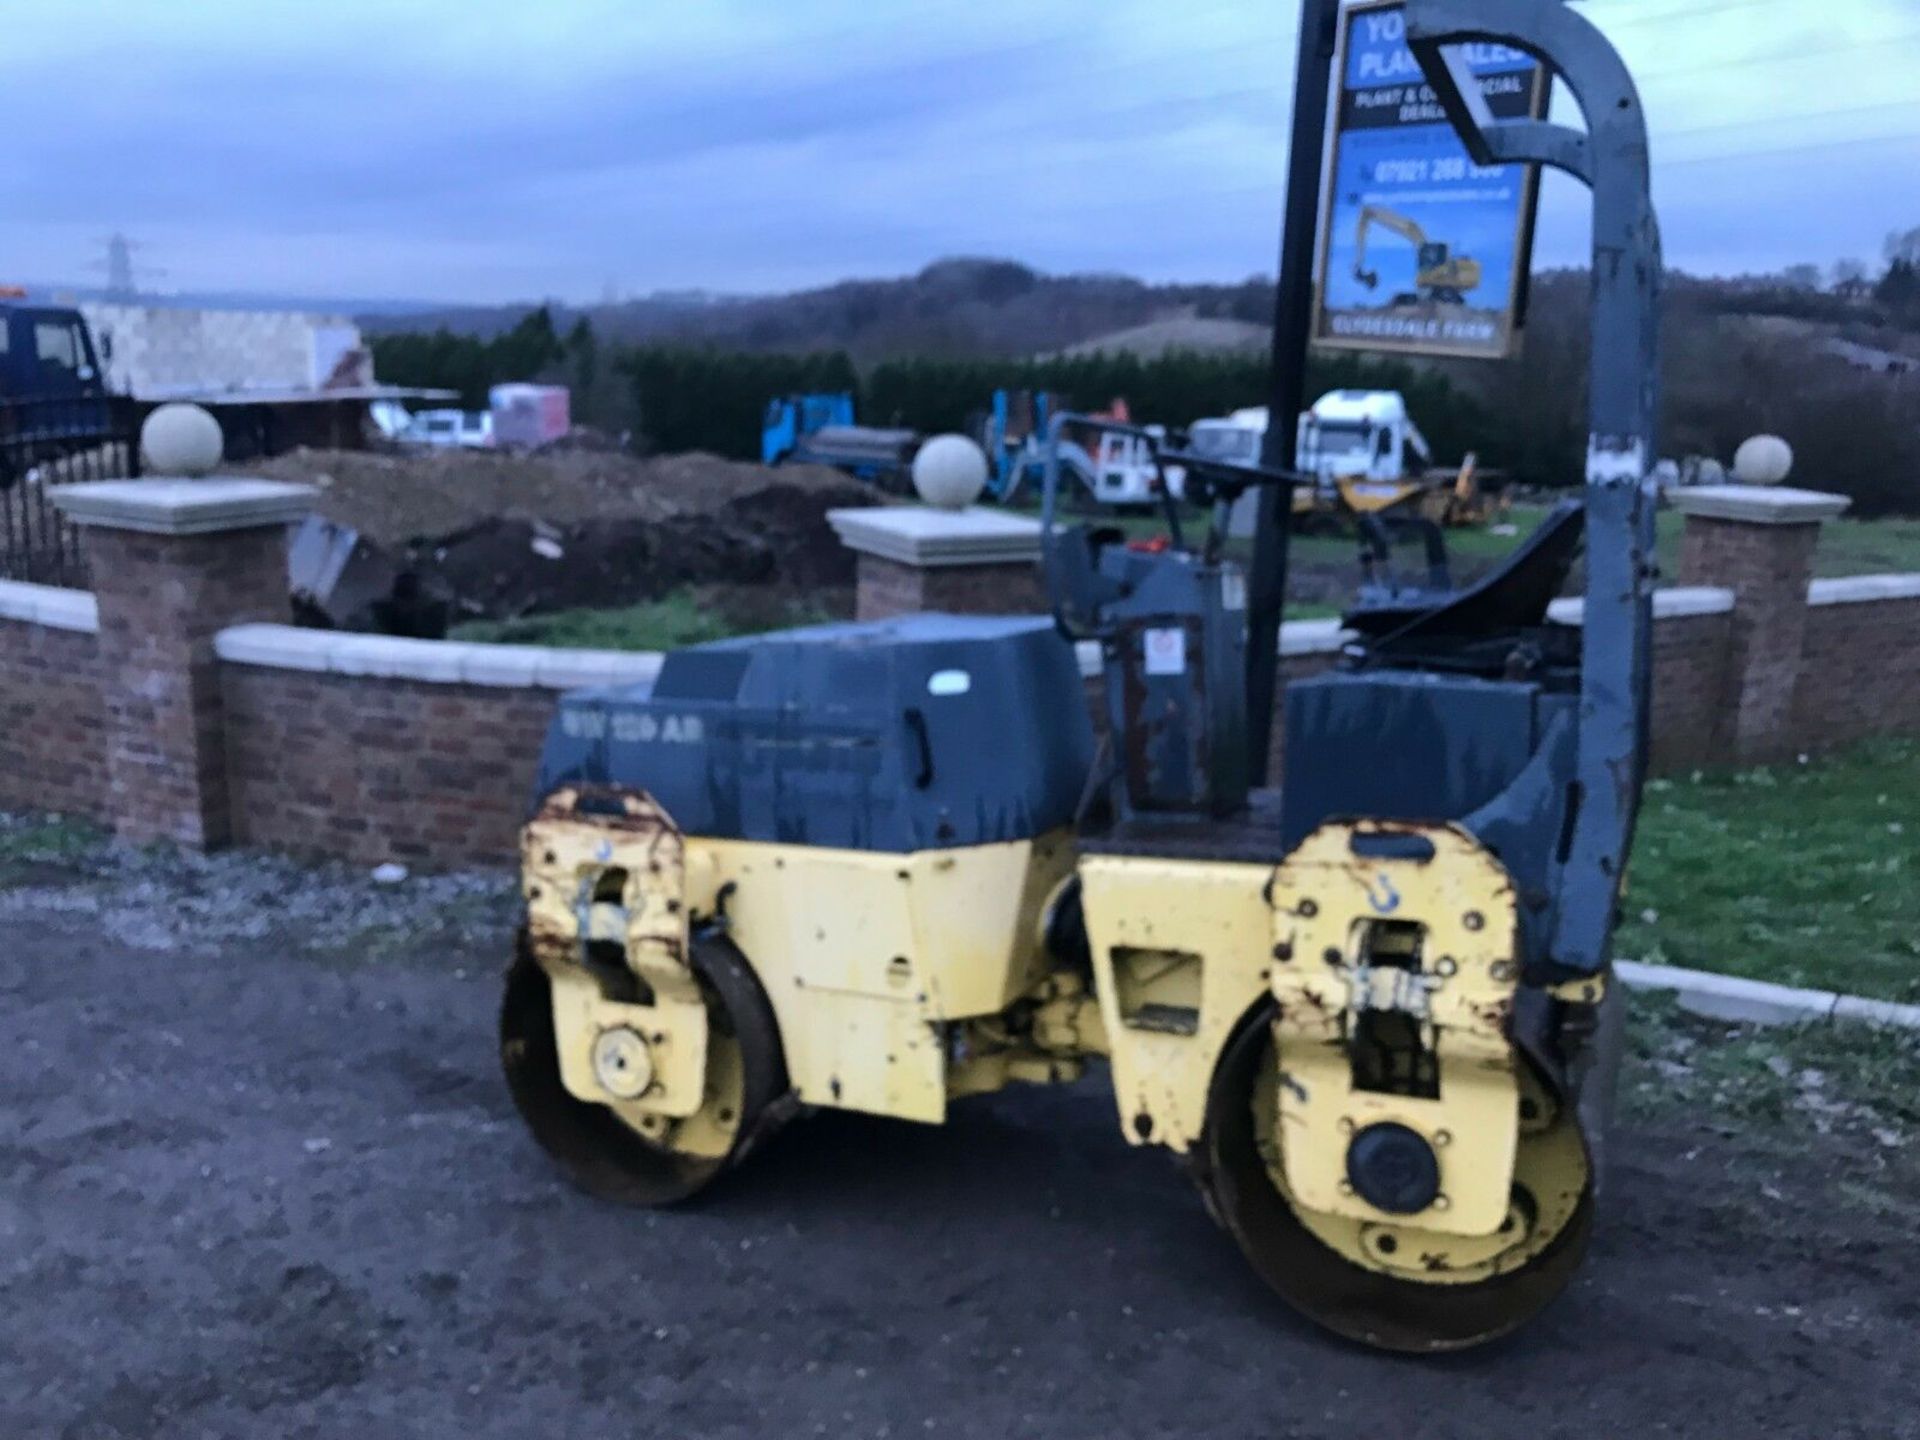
[
  {"x": 923, "y": 537},
  {"x": 458, "y": 662},
  {"x": 1760, "y": 1002},
  {"x": 1674, "y": 603},
  {"x": 49, "y": 605},
  {"x": 1313, "y": 637},
  {"x": 452, "y": 662},
  {"x": 435, "y": 662},
  {"x": 1856, "y": 589},
  {"x": 184, "y": 507},
  {"x": 1757, "y": 504}
]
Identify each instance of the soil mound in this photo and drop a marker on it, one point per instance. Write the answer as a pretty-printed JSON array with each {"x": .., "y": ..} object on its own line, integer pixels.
[{"x": 505, "y": 535}]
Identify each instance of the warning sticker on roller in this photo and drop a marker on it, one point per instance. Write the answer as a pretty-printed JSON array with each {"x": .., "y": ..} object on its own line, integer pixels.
[{"x": 1166, "y": 651}]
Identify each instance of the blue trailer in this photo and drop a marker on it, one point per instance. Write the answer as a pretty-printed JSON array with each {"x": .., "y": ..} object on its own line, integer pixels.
[{"x": 819, "y": 429}]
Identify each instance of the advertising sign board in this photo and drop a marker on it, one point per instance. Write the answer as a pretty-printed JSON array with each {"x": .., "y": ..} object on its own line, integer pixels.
[{"x": 1421, "y": 250}]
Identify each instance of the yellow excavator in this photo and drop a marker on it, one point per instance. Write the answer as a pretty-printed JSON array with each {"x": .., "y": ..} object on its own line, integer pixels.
[{"x": 1439, "y": 277}]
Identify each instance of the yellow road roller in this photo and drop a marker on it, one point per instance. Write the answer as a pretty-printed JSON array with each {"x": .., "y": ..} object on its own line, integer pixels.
[{"x": 885, "y": 866}]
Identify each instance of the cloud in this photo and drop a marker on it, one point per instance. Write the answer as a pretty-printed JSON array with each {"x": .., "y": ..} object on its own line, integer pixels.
[{"x": 500, "y": 152}]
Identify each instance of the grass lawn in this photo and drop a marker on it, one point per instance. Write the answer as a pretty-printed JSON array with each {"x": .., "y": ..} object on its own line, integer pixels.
[
  {"x": 1847, "y": 547},
  {"x": 1800, "y": 874},
  {"x": 688, "y": 617},
  {"x": 1867, "y": 547},
  {"x": 685, "y": 617}
]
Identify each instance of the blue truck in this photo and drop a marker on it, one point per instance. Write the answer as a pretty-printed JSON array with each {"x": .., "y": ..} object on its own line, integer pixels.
[
  {"x": 53, "y": 396},
  {"x": 820, "y": 429}
]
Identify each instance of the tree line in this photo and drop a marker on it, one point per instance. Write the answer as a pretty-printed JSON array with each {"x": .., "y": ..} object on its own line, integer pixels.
[
  {"x": 1723, "y": 378},
  {"x": 668, "y": 399}
]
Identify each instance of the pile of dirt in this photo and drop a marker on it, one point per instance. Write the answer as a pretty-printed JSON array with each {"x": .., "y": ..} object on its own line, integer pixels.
[
  {"x": 502, "y": 568},
  {"x": 402, "y": 499},
  {"x": 504, "y": 535}
]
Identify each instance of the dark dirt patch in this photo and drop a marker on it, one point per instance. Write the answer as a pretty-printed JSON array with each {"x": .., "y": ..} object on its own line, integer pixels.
[
  {"x": 396, "y": 500},
  {"x": 501, "y": 569},
  {"x": 504, "y": 535},
  {"x": 776, "y": 536},
  {"x": 249, "y": 1191}
]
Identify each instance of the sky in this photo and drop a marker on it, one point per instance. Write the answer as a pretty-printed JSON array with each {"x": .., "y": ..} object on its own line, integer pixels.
[{"x": 572, "y": 148}]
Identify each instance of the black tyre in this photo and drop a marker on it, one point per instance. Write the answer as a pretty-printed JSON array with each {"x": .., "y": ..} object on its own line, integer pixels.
[
  {"x": 1328, "y": 1288},
  {"x": 601, "y": 1152}
]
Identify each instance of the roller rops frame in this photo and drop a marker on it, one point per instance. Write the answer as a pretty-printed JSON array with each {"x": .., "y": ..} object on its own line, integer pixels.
[{"x": 1611, "y": 159}]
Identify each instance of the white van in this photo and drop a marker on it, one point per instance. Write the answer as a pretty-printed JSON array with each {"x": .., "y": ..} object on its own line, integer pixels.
[{"x": 450, "y": 430}]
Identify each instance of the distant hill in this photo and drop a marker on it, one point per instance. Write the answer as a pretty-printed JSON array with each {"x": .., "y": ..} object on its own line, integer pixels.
[
  {"x": 963, "y": 308},
  {"x": 1739, "y": 357},
  {"x": 1180, "y": 332}
]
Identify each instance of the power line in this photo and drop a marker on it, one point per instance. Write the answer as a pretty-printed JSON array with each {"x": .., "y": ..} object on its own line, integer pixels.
[
  {"x": 1851, "y": 142},
  {"x": 1781, "y": 56},
  {"x": 1791, "y": 118},
  {"x": 1635, "y": 16},
  {"x": 1684, "y": 12},
  {"x": 1240, "y": 97}
]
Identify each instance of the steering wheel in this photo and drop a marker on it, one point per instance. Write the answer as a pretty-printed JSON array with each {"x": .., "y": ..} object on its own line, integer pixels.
[
  {"x": 1078, "y": 589},
  {"x": 1230, "y": 479}
]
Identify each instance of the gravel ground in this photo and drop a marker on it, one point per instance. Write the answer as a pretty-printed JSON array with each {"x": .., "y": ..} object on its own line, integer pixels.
[{"x": 261, "y": 1178}]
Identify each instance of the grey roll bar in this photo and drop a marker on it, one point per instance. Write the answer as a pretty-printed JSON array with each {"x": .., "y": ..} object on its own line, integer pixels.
[{"x": 1610, "y": 157}]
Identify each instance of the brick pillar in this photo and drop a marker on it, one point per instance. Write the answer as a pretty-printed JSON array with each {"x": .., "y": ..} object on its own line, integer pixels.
[
  {"x": 885, "y": 588},
  {"x": 1758, "y": 542},
  {"x": 174, "y": 562},
  {"x": 911, "y": 559}
]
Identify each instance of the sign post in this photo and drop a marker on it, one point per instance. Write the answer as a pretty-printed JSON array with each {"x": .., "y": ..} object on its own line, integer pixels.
[
  {"x": 1421, "y": 250},
  {"x": 1292, "y": 326}
]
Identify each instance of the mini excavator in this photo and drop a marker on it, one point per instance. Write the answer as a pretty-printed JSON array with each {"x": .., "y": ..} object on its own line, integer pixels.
[{"x": 886, "y": 866}]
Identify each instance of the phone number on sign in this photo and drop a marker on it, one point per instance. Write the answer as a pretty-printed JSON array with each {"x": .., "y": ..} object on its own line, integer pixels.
[{"x": 1418, "y": 172}]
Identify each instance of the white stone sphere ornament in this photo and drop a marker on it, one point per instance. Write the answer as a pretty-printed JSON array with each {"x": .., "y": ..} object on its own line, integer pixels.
[
  {"x": 1762, "y": 460},
  {"x": 179, "y": 439},
  {"x": 949, "y": 472}
]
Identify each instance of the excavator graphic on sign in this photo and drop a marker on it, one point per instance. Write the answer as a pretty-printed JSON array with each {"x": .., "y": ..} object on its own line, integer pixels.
[{"x": 1439, "y": 277}]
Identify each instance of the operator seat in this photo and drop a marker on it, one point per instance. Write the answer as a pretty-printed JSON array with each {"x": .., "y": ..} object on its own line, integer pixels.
[{"x": 1514, "y": 595}]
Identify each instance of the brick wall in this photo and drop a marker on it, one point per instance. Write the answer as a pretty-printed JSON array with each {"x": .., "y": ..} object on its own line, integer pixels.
[
  {"x": 1691, "y": 678},
  {"x": 374, "y": 749},
  {"x": 1860, "y": 675},
  {"x": 374, "y": 769},
  {"x": 52, "y": 750}
]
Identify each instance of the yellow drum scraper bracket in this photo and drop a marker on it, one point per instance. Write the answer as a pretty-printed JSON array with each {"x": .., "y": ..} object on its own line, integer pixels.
[{"x": 1394, "y": 977}]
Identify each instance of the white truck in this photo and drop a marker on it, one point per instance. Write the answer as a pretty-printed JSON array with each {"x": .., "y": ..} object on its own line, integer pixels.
[
  {"x": 1345, "y": 434},
  {"x": 1364, "y": 437}
]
